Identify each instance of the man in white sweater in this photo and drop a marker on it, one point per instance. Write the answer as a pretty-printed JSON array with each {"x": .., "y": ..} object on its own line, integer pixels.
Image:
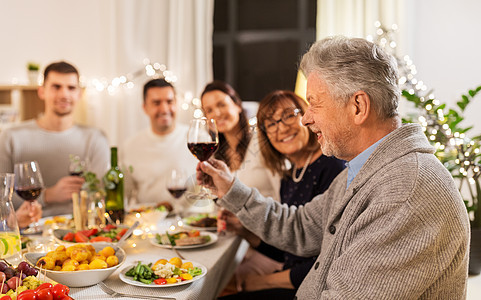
[
  {"x": 155, "y": 151},
  {"x": 52, "y": 137}
]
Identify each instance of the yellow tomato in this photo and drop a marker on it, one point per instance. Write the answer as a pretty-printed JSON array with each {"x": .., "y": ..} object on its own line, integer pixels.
[
  {"x": 186, "y": 276},
  {"x": 187, "y": 265},
  {"x": 171, "y": 280},
  {"x": 176, "y": 261}
]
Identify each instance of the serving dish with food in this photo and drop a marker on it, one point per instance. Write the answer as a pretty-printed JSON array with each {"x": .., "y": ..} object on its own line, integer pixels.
[
  {"x": 184, "y": 239},
  {"x": 108, "y": 234},
  {"x": 163, "y": 273},
  {"x": 79, "y": 265}
]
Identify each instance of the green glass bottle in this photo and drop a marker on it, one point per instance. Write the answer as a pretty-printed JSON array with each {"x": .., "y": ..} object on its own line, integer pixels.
[{"x": 114, "y": 187}]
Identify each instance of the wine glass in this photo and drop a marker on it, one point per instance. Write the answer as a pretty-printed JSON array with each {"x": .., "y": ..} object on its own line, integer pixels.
[
  {"x": 202, "y": 141},
  {"x": 28, "y": 183},
  {"x": 177, "y": 185},
  {"x": 77, "y": 166}
]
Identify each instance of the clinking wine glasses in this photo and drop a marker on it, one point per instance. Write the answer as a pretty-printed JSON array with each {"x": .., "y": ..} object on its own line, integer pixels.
[
  {"x": 28, "y": 183},
  {"x": 202, "y": 141}
]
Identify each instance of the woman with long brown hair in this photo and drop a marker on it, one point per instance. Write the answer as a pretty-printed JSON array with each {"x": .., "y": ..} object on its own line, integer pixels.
[{"x": 238, "y": 146}]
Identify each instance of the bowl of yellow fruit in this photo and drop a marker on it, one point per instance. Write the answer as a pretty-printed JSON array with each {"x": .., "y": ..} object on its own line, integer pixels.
[{"x": 79, "y": 265}]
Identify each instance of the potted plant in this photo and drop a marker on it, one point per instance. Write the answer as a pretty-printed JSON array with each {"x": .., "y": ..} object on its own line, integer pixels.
[
  {"x": 32, "y": 71},
  {"x": 458, "y": 153}
]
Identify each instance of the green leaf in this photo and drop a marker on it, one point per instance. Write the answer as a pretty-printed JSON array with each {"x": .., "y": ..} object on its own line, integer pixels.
[{"x": 461, "y": 105}]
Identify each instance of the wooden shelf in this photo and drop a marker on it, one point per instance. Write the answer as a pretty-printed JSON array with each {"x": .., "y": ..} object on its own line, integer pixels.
[{"x": 23, "y": 100}]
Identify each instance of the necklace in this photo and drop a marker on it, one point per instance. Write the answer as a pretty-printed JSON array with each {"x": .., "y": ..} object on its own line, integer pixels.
[{"x": 297, "y": 179}]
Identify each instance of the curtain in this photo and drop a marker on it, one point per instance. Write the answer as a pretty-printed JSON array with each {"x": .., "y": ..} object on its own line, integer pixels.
[
  {"x": 176, "y": 33},
  {"x": 356, "y": 18},
  {"x": 108, "y": 39}
]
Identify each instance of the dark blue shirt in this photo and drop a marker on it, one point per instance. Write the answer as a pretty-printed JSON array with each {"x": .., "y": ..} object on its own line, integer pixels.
[{"x": 316, "y": 180}]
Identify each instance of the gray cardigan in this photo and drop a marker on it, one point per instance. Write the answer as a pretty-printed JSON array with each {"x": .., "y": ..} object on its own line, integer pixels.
[{"x": 400, "y": 231}]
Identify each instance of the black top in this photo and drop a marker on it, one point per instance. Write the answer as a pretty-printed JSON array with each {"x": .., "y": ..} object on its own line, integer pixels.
[{"x": 316, "y": 180}]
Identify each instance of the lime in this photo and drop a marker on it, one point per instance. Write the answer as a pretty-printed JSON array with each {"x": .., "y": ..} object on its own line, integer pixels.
[{"x": 3, "y": 246}]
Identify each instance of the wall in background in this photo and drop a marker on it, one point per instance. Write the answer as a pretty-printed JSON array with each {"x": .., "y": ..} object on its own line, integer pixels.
[
  {"x": 445, "y": 47},
  {"x": 107, "y": 39},
  {"x": 442, "y": 41}
]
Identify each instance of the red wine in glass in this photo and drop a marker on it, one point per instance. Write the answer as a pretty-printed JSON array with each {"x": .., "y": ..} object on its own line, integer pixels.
[
  {"x": 202, "y": 141},
  {"x": 177, "y": 192},
  {"x": 77, "y": 166},
  {"x": 202, "y": 150},
  {"x": 29, "y": 194},
  {"x": 28, "y": 182}
]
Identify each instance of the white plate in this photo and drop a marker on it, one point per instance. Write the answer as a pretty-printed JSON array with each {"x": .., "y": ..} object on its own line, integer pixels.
[
  {"x": 213, "y": 239},
  {"x": 187, "y": 226},
  {"x": 131, "y": 281}
]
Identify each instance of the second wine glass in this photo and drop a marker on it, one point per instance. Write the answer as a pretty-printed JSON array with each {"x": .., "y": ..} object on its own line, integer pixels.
[
  {"x": 177, "y": 185},
  {"x": 28, "y": 183},
  {"x": 202, "y": 141}
]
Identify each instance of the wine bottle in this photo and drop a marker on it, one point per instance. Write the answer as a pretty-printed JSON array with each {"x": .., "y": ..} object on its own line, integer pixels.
[{"x": 114, "y": 187}]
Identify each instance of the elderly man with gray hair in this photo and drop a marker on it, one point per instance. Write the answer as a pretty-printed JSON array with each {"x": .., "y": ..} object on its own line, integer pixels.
[{"x": 393, "y": 224}]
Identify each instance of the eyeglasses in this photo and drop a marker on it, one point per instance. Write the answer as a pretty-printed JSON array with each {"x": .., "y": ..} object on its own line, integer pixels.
[{"x": 288, "y": 117}]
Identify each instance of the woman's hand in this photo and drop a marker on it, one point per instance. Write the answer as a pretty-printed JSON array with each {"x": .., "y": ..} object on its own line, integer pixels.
[
  {"x": 215, "y": 175},
  {"x": 28, "y": 213}
]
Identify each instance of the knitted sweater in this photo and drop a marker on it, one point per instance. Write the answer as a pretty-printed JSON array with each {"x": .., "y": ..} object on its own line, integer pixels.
[
  {"x": 27, "y": 141},
  {"x": 399, "y": 231}
]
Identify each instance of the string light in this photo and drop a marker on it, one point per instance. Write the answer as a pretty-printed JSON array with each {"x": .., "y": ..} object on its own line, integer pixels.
[{"x": 126, "y": 81}]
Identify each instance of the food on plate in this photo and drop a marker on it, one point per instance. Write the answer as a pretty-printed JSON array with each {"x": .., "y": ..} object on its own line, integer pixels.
[
  {"x": 77, "y": 258},
  {"x": 21, "y": 283},
  {"x": 164, "y": 271},
  {"x": 161, "y": 206},
  {"x": 202, "y": 220},
  {"x": 182, "y": 238},
  {"x": 109, "y": 234},
  {"x": 58, "y": 220}
]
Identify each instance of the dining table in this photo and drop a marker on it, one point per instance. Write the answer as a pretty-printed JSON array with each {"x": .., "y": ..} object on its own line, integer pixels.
[{"x": 219, "y": 258}]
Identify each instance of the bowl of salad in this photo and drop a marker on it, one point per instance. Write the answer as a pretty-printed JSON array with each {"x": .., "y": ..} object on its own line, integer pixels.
[{"x": 109, "y": 234}]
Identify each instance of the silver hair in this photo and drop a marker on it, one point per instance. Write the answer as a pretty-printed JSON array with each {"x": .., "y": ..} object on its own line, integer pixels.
[{"x": 348, "y": 65}]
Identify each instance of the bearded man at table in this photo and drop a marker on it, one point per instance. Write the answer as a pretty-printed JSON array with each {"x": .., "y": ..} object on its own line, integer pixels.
[
  {"x": 52, "y": 138},
  {"x": 155, "y": 151},
  {"x": 393, "y": 224}
]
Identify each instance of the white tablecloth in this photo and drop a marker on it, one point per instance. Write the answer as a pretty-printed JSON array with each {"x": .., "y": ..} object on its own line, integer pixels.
[{"x": 220, "y": 259}]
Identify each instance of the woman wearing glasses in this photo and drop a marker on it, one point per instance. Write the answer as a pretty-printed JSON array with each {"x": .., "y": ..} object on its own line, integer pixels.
[{"x": 307, "y": 173}]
